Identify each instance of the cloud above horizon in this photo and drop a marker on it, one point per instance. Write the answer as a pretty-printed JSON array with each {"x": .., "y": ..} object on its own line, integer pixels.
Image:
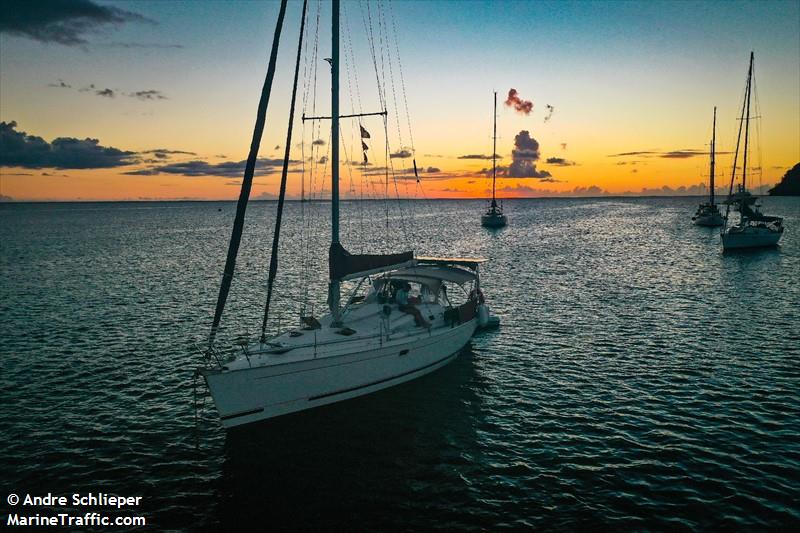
[
  {"x": 401, "y": 154},
  {"x": 560, "y": 162},
  {"x": 18, "y": 149},
  {"x": 478, "y": 156},
  {"x": 226, "y": 169},
  {"x": 146, "y": 94},
  {"x": 149, "y": 94},
  {"x": 525, "y": 155},
  {"x": 671, "y": 154},
  {"x": 60, "y": 21}
]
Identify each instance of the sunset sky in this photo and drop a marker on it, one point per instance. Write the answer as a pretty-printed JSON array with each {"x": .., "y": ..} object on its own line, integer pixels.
[{"x": 169, "y": 90}]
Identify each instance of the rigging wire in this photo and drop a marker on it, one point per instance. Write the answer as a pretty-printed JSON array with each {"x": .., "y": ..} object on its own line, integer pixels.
[
  {"x": 247, "y": 180},
  {"x": 273, "y": 262}
]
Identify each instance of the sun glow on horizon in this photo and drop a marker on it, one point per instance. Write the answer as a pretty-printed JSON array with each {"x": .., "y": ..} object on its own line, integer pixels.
[{"x": 166, "y": 111}]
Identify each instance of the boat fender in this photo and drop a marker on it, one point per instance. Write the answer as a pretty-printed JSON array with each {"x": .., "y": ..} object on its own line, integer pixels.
[{"x": 483, "y": 315}]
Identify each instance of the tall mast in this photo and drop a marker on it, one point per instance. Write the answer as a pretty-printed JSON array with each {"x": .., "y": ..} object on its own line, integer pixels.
[
  {"x": 738, "y": 143},
  {"x": 247, "y": 179},
  {"x": 273, "y": 260},
  {"x": 333, "y": 287},
  {"x": 713, "y": 150},
  {"x": 747, "y": 122},
  {"x": 494, "y": 151}
]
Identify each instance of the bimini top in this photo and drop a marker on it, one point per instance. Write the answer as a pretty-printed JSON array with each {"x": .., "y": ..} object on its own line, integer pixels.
[{"x": 432, "y": 275}]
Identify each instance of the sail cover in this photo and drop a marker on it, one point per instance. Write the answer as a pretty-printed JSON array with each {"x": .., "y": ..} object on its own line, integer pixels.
[{"x": 342, "y": 263}]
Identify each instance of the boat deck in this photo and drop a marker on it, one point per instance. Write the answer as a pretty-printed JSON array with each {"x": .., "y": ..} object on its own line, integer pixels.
[{"x": 364, "y": 324}]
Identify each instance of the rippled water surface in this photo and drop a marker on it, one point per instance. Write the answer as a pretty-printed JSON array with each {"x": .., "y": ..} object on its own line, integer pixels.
[{"x": 640, "y": 379}]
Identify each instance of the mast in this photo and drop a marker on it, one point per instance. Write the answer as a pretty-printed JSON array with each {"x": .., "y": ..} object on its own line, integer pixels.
[
  {"x": 736, "y": 152},
  {"x": 713, "y": 150},
  {"x": 333, "y": 286},
  {"x": 747, "y": 123},
  {"x": 273, "y": 260},
  {"x": 247, "y": 180},
  {"x": 494, "y": 152}
]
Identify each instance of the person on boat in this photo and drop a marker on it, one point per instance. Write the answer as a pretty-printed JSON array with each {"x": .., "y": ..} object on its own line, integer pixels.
[{"x": 404, "y": 303}]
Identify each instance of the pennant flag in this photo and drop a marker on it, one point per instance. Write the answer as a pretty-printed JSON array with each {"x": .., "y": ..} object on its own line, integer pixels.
[
  {"x": 364, "y": 133},
  {"x": 366, "y": 161},
  {"x": 364, "y": 146}
]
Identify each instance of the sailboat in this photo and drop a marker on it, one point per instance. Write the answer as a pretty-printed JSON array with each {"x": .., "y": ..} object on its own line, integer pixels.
[
  {"x": 754, "y": 229},
  {"x": 379, "y": 337},
  {"x": 494, "y": 217},
  {"x": 708, "y": 213}
]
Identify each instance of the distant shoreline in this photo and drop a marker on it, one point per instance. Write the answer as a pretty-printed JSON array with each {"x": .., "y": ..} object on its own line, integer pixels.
[{"x": 326, "y": 201}]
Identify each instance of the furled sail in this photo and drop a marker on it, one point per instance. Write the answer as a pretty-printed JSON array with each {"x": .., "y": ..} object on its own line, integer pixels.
[
  {"x": 342, "y": 263},
  {"x": 247, "y": 180}
]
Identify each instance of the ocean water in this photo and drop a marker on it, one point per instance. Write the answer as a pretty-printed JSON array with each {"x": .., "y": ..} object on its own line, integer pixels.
[{"x": 641, "y": 379}]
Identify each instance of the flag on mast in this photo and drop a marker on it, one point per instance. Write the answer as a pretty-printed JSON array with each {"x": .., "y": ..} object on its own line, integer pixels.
[{"x": 364, "y": 147}]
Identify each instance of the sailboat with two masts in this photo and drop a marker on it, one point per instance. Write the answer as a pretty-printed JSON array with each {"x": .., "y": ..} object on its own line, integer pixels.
[
  {"x": 708, "y": 213},
  {"x": 379, "y": 337},
  {"x": 754, "y": 229},
  {"x": 494, "y": 217}
]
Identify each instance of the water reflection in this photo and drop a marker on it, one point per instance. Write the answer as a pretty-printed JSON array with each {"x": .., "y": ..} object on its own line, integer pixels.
[{"x": 368, "y": 456}]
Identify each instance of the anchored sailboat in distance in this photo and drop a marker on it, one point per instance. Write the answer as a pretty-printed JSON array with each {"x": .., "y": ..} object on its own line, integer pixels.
[
  {"x": 380, "y": 337},
  {"x": 754, "y": 229},
  {"x": 708, "y": 213},
  {"x": 494, "y": 217}
]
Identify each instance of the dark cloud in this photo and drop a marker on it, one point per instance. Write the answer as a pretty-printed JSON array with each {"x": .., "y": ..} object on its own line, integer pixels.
[
  {"x": 316, "y": 142},
  {"x": 147, "y": 94},
  {"x": 150, "y": 94},
  {"x": 626, "y": 154},
  {"x": 60, "y": 85},
  {"x": 525, "y": 155},
  {"x": 682, "y": 154},
  {"x": 226, "y": 169},
  {"x": 432, "y": 169},
  {"x": 672, "y": 154},
  {"x": 61, "y": 21},
  {"x": 477, "y": 156},
  {"x": 162, "y": 153},
  {"x": 18, "y": 149},
  {"x": 559, "y": 161},
  {"x": 402, "y": 154},
  {"x": 523, "y": 106}
]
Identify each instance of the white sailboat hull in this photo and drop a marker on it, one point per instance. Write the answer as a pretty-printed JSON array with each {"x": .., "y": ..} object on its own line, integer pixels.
[
  {"x": 750, "y": 237},
  {"x": 357, "y": 367}
]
